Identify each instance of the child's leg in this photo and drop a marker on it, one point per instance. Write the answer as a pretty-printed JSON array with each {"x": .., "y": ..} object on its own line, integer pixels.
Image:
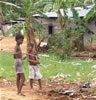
[
  {"x": 31, "y": 83},
  {"x": 22, "y": 79},
  {"x": 40, "y": 86},
  {"x": 18, "y": 82}
]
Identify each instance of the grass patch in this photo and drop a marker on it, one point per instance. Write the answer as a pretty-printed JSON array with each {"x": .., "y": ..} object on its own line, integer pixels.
[{"x": 82, "y": 71}]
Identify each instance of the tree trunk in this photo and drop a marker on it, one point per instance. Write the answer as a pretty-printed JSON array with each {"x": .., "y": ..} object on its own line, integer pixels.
[
  {"x": 61, "y": 20},
  {"x": 1, "y": 27},
  {"x": 80, "y": 44},
  {"x": 68, "y": 33},
  {"x": 31, "y": 35}
]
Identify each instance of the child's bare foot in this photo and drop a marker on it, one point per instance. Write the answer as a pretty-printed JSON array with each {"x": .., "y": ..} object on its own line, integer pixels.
[
  {"x": 21, "y": 94},
  {"x": 40, "y": 88}
]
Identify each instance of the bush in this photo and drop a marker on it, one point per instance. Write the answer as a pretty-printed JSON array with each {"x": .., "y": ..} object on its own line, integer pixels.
[
  {"x": 60, "y": 44},
  {"x": 54, "y": 43}
]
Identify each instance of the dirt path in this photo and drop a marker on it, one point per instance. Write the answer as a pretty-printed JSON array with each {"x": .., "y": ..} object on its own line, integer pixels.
[
  {"x": 8, "y": 92},
  {"x": 8, "y": 44},
  {"x": 52, "y": 90}
]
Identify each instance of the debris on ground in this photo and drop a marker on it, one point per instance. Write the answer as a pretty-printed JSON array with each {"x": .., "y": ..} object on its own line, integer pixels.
[
  {"x": 44, "y": 55},
  {"x": 84, "y": 55},
  {"x": 63, "y": 90},
  {"x": 75, "y": 64},
  {"x": 53, "y": 89},
  {"x": 94, "y": 66},
  {"x": 87, "y": 85}
]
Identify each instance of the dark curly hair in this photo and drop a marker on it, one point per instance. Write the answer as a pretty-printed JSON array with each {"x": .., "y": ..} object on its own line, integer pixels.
[
  {"x": 19, "y": 36},
  {"x": 30, "y": 44}
]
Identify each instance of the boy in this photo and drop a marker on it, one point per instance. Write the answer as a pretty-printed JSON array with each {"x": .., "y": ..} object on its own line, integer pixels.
[
  {"x": 19, "y": 63},
  {"x": 34, "y": 72}
]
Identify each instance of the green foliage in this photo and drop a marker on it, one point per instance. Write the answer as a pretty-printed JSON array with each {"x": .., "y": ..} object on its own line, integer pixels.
[
  {"x": 9, "y": 4},
  {"x": 89, "y": 2},
  {"x": 0, "y": 10},
  {"x": 37, "y": 25},
  {"x": 54, "y": 42},
  {"x": 90, "y": 14},
  {"x": 26, "y": 8},
  {"x": 75, "y": 14},
  {"x": 70, "y": 33},
  {"x": 48, "y": 7},
  {"x": 16, "y": 28}
]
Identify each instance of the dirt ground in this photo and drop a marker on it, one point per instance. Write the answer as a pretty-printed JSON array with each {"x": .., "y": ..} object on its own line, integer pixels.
[
  {"x": 8, "y": 92},
  {"x": 53, "y": 89},
  {"x": 8, "y": 44}
]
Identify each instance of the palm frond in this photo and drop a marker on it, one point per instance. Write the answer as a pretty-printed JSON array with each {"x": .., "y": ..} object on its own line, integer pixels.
[
  {"x": 41, "y": 14},
  {"x": 75, "y": 15},
  {"x": 89, "y": 1},
  {"x": 48, "y": 7},
  {"x": 38, "y": 12},
  {"x": 37, "y": 25},
  {"x": 0, "y": 10},
  {"x": 90, "y": 14},
  {"x": 27, "y": 5},
  {"x": 15, "y": 28},
  {"x": 9, "y": 4},
  {"x": 42, "y": 3}
]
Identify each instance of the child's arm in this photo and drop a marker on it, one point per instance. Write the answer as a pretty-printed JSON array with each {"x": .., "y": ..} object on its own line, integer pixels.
[
  {"x": 37, "y": 61},
  {"x": 34, "y": 61}
]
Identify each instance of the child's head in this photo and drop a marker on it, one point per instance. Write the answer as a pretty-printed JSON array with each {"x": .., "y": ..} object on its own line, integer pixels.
[
  {"x": 19, "y": 38},
  {"x": 29, "y": 47}
]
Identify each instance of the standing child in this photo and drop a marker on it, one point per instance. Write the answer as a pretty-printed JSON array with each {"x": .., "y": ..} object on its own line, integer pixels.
[
  {"x": 19, "y": 64},
  {"x": 34, "y": 72}
]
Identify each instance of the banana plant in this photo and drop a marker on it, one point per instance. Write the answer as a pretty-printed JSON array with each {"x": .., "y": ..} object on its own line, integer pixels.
[
  {"x": 64, "y": 20},
  {"x": 26, "y": 9},
  {"x": 92, "y": 12},
  {"x": 56, "y": 5}
]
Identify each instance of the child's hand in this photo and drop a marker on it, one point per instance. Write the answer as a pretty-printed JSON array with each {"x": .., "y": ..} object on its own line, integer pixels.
[
  {"x": 24, "y": 57},
  {"x": 38, "y": 61}
]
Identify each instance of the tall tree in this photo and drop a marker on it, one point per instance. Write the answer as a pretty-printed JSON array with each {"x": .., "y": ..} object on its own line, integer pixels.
[{"x": 26, "y": 9}]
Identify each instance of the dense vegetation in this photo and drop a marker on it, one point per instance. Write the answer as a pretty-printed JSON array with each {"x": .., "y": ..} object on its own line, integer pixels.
[{"x": 13, "y": 9}]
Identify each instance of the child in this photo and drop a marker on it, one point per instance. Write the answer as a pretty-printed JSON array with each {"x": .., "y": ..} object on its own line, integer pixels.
[
  {"x": 34, "y": 72},
  {"x": 19, "y": 64}
]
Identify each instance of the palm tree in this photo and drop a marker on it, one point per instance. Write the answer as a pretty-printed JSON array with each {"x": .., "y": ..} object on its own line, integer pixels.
[
  {"x": 1, "y": 21},
  {"x": 26, "y": 9}
]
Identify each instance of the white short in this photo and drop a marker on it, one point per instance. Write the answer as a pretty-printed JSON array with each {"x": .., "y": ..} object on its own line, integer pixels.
[{"x": 34, "y": 72}]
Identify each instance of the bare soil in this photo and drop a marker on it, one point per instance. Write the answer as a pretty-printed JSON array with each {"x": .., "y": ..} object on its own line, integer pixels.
[
  {"x": 8, "y": 92},
  {"x": 52, "y": 90},
  {"x": 8, "y": 44}
]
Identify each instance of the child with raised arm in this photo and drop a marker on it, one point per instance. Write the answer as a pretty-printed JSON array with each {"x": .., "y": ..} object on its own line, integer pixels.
[
  {"x": 34, "y": 72},
  {"x": 19, "y": 63}
]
